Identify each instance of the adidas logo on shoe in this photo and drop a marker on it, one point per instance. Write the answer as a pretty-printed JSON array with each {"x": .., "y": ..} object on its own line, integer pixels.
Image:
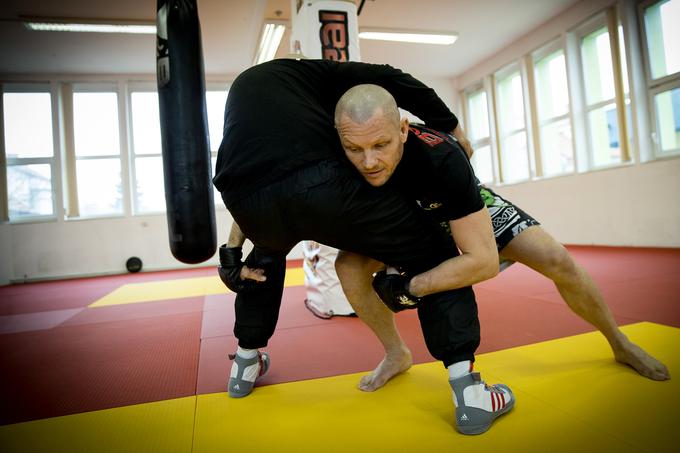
[
  {"x": 244, "y": 373},
  {"x": 463, "y": 418}
]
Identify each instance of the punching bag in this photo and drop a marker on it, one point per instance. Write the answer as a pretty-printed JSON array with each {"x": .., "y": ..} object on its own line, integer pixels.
[{"x": 184, "y": 132}]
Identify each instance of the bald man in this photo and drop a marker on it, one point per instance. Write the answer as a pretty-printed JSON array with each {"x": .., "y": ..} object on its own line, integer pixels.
[
  {"x": 283, "y": 177},
  {"x": 437, "y": 174},
  {"x": 372, "y": 136}
]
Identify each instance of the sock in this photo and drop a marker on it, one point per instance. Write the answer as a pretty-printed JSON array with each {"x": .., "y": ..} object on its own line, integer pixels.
[
  {"x": 459, "y": 369},
  {"x": 246, "y": 353}
]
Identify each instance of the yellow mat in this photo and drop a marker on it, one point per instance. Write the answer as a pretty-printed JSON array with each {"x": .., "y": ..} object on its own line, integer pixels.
[
  {"x": 571, "y": 397},
  {"x": 163, "y": 426},
  {"x": 178, "y": 288}
]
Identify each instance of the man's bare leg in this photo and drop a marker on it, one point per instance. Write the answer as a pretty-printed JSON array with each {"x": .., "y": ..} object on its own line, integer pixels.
[
  {"x": 355, "y": 273},
  {"x": 535, "y": 248}
]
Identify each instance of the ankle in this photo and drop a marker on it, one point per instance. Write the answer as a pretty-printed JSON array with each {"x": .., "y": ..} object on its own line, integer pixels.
[
  {"x": 246, "y": 353},
  {"x": 460, "y": 369},
  {"x": 618, "y": 341}
]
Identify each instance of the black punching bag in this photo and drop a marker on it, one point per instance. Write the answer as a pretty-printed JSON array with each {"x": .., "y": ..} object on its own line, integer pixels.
[{"x": 184, "y": 132}]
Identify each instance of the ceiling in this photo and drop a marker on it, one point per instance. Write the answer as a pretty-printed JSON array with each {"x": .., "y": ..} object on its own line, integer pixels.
[{"x": 230, "y": 32}]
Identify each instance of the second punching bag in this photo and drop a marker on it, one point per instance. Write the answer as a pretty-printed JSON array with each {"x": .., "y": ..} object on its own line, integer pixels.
[{"x": 184, "y": 132}]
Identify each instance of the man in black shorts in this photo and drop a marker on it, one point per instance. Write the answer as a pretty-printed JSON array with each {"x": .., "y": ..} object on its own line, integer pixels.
[
  {"x": 283, "y": 177},
  {"x": 421, "y": 175}
]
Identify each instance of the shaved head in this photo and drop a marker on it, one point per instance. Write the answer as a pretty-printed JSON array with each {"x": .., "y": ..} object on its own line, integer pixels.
[
  {"x": 371, "y": 132},
  {"x": 361, "y": 102}
]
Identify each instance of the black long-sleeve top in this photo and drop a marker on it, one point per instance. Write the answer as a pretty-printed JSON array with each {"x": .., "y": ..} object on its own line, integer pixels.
[{"x": 279, "y": 117}]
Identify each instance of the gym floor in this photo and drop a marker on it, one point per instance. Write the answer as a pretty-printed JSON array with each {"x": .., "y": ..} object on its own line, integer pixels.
[{"x": 139, "y": 363}]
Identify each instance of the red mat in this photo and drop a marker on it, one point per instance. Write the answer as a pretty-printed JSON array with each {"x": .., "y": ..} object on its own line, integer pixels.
[
  {"x": 80, "y": 292},
  {"x": 127, "y": 354},
  {"x": 96, "y": 366},
  {"x": 131, "y": 312}
]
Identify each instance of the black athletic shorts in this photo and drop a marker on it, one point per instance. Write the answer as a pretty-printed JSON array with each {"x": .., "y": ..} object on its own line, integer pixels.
[{"x": 507, "y": 219}]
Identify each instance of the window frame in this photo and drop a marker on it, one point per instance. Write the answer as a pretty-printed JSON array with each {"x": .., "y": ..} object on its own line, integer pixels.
[
  {"x": 656, "y": 140},
  {"x": 654, "y": 86},
  {"x": 37, "y": 86},
  {"x": 557, "y": 45},
  {"x": 69, "y": 89},
  {"x": 216, "y": 85},
  {"x": 504, "y": 72},
  {"x": 137, "y": 87},
  {"x": 609, "y": 19},
  {"x": 466, "y": 94}
]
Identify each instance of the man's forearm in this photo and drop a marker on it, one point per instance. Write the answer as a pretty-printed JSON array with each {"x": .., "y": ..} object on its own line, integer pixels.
[
  {"x": 236, "y": 236},
  {"x": 459, "y": 133},
  {"x": 463, "y": 270},
  {"x": 477, "y": 262}
]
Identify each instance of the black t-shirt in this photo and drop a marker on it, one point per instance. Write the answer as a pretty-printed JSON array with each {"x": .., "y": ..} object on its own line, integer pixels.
[
  {"x": 436, "y": 173},
  {"x": 279, "y": 117}
]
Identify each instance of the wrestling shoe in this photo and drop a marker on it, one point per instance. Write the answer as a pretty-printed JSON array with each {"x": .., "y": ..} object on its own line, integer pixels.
[
  {"x": 244, "y": 372},
  {"x": 479, "y": 404}
]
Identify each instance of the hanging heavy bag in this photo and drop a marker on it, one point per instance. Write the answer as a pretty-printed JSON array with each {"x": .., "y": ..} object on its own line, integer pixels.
[{"x": 184, "y": 132}]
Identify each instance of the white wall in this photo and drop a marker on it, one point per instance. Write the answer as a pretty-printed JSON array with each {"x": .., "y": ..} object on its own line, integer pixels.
[
  {"x": 93, "y": 247},
  {"x": 55, "y": 249},
  {"x": 631, "y": 205}
]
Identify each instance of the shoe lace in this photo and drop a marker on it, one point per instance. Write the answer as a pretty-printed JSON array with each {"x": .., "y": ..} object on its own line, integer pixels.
[{"x": 492, "y": 388}]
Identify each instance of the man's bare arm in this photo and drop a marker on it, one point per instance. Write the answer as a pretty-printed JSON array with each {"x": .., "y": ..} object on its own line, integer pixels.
[
  {"x": 459, "y": 133},
  {"x": 236, "y": 236},
  {"x": 236, "y": 239},
  {"x": 477, "y": 262}
]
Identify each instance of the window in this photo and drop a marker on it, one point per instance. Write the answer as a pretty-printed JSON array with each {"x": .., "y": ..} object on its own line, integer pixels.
[
  {"x": 663, "y": 52},
  {"x": 29, "y": 151},
  {"x": 147, "y": 163},
  {"x": 147, "y": 159},
  {"x": 667, "y": 109},
  {"x": 479, "y": 134},
  {"x": 552, "y": 100},
  {"x": 663, "y": 38},
  {"x": 514, "y": 154},
  {"x": 215, "y": 99},
  {"x": 600, "y": 93},
  {"x": 97, "y": 152}
]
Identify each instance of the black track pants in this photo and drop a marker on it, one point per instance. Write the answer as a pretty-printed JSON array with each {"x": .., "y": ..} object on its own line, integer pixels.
[{"x": 331, "y": 204}]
